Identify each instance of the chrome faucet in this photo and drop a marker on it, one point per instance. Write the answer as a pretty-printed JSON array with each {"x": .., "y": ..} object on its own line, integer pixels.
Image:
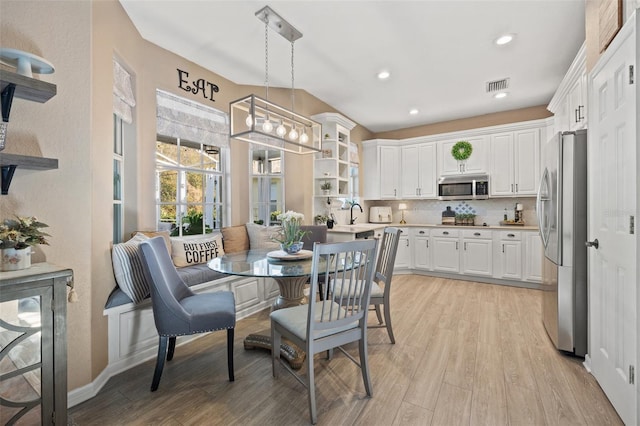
[{"x": 353, "y": 219}]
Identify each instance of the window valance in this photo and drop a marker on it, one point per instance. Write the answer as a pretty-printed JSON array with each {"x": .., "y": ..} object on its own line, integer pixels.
[
  {"x": 181, "y": 118},
  {"x": 123, "y": 99}
]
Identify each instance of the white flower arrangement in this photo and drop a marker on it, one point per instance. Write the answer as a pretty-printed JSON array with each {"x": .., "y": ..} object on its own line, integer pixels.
[{"x": 291, "y": 232}]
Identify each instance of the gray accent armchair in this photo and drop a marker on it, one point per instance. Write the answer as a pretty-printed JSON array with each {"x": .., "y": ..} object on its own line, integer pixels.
[{"x": 177, "y": 311}]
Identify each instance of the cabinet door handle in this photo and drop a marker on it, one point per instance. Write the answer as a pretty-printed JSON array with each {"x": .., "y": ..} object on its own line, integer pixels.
[
  {"x": 477, "y": 234},
  {"x": 516, "y": 187},
  {"x": 427, "y": 243},
  {"x": 421, "y": 232},
  {"x": 445, "y": 233},
  {"x": 580, "y": 116},
  {"x": 511, "y": 235},
  {"x": 465, "y": 246},
  {"x": 407, "y": 242},
  {"x": 511, "y": 187},
  {"x": 576, "y": 115},
  {"x": 456, "y": 245},
  {"x": 503, "y": 248}
]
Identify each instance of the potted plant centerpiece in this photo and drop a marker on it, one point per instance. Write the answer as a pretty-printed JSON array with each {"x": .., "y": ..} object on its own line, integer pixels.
[
  {"x": 290, "y": 237},
  {"x": 16, "y": 238},
  {"x": 326, "y": 187}
]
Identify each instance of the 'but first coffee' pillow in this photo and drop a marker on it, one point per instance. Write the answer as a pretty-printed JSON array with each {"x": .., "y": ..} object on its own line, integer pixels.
[{"x": 192, "y": 251}]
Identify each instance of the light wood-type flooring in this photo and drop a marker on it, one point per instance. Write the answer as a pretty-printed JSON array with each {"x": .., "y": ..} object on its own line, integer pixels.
[{"x": 466, "y": 354}]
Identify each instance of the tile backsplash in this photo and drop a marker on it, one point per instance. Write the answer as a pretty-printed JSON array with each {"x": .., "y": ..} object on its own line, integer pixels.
[{"x": 490, "y": 211}]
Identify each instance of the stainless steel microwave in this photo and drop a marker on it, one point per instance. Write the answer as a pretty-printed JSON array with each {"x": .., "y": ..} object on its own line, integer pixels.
[{"x": 464, "y": 187}]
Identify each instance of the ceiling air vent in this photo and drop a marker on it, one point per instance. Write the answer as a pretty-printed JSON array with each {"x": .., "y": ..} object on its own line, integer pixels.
[{"x": 497, "y": 85}]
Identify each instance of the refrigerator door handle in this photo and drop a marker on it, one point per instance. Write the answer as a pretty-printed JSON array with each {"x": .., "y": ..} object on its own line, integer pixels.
[{"x": 540, "y": 204}]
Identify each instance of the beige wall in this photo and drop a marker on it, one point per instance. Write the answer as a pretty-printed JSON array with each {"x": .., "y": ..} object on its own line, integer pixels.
[
  {"x": 59, "y": 128},
  {"x": 494, "y": 119}
]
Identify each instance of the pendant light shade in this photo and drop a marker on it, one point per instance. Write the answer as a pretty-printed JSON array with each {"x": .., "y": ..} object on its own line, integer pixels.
[
  {"x": 257, "y": 120},
  {"x": 252, "y": 130}
]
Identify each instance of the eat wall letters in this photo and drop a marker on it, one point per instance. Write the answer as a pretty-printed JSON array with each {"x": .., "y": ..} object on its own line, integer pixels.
[{"x": 196, "y": 86}]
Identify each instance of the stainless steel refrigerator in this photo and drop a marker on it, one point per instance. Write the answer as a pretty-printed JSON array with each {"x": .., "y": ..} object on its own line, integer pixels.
[{"x": 562, "y": 216}]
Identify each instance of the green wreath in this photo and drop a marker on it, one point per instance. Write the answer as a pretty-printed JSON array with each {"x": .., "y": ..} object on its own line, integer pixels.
[{"x": 461, "y": 150}]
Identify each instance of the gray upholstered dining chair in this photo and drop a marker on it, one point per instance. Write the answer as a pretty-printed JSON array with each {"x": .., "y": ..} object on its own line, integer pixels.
[
  {"x": 381, "y": 286},
  {"x": 326, "y": 324},
  {"x": 177, "y": 311},
  {"x": 315, "y": 234}
]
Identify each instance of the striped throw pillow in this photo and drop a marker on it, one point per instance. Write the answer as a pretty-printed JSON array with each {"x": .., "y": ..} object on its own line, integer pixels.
[{"x": 128, "y": 269}]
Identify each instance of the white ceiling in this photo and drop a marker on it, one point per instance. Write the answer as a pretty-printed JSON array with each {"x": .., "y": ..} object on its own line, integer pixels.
[{"x": 440, "y": 53}]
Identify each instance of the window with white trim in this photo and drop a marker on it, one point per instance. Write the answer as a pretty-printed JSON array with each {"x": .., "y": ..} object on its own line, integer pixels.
[
  {"x": 123, "y": 142},
  {"x": 191, "y": 159}
]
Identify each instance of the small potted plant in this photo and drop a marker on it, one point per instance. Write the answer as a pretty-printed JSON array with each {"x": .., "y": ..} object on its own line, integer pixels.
[
  {"x": 321, "y": 219},
  {"x": 326, "y": 187},
  {"x": 16, "y": 238}
]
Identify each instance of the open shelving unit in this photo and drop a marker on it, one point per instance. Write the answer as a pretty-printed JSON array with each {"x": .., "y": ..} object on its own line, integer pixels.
[
  {"x": 332, "y": 163},
  {"x": 13, "y": 85}
]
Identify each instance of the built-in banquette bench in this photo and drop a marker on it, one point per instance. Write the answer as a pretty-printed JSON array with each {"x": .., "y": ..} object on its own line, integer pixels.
[{"x": 131, "y": 329}]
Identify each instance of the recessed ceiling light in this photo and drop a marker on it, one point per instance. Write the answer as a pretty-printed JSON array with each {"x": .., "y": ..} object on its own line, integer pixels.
[
  {"x": 500, "y": 95},
  {"x": 413, "y": 111},
  {"x": 504, "y": 39},
  {"x": 383, "y": 75}
]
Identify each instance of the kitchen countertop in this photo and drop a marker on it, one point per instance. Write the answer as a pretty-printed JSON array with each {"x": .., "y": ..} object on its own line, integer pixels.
[{"x": 359, "y": 227}]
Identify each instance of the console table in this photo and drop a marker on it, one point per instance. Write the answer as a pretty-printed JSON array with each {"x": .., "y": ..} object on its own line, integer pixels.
[{"x": 33, "y": 345}]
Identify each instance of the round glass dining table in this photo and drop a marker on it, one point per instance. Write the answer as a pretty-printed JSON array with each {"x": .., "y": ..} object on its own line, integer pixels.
[{"x": 291, "y": 273}]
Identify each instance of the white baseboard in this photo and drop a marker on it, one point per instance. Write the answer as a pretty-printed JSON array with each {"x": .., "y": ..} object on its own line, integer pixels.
[{"x": 587, "y": 363}]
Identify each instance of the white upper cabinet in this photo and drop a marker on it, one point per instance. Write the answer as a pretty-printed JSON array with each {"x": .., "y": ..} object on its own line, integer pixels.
[
  {"x": 381, "y": 169},
  {"x": 389, "y": 172},
  {"x": 419, "y": 174},
  {"x": 410, "y": 168},
  {"x": 577, "y": 102},
  {"x": 515, "y": 163},
  {"x": 569, "y": 103},
  {"x": 477, "y": 162}
]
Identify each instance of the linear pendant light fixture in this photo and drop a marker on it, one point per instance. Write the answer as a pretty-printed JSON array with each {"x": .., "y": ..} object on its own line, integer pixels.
[{"x": 259, "y": 121}]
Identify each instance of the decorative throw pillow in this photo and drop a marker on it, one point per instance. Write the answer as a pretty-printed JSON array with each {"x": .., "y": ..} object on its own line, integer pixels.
[
  {"x": 261, "y": 236},
  {"x": 164, "y": 234},
  {"x": 128, "y": 269},
  {"x": 235, "y": 238},
  {"x": 187, "y": 251}
]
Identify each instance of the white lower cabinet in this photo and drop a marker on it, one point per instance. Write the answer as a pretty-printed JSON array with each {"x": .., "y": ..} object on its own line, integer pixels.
[
  {"x": 509, "y": 255},
  {"x": 403, "y": 255},
  {"x": 446, "y": 253},
  {"x": 421, "y": 251},
  {"x": 533, "y": 258},
  {"x": 512, "y": 255},
  {"x": 477, "y": 256}
]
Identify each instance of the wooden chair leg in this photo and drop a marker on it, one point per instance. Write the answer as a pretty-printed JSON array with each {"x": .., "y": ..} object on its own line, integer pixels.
[
  {"x": 276, "y": 340},
  {"x": 162, "y": 351},
  {"x": 379, "y": 313},
  {"x": 364, "y": 365},
  {"x": 172, "y": 348},
  {"x": 230, "y": 333},
  {"x": 387, "y": 322},
  {"x": 311, "y": 387}
]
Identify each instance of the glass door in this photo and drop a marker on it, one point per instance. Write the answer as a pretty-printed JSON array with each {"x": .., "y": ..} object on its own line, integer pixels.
[{"x": 267, "y": 185}]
